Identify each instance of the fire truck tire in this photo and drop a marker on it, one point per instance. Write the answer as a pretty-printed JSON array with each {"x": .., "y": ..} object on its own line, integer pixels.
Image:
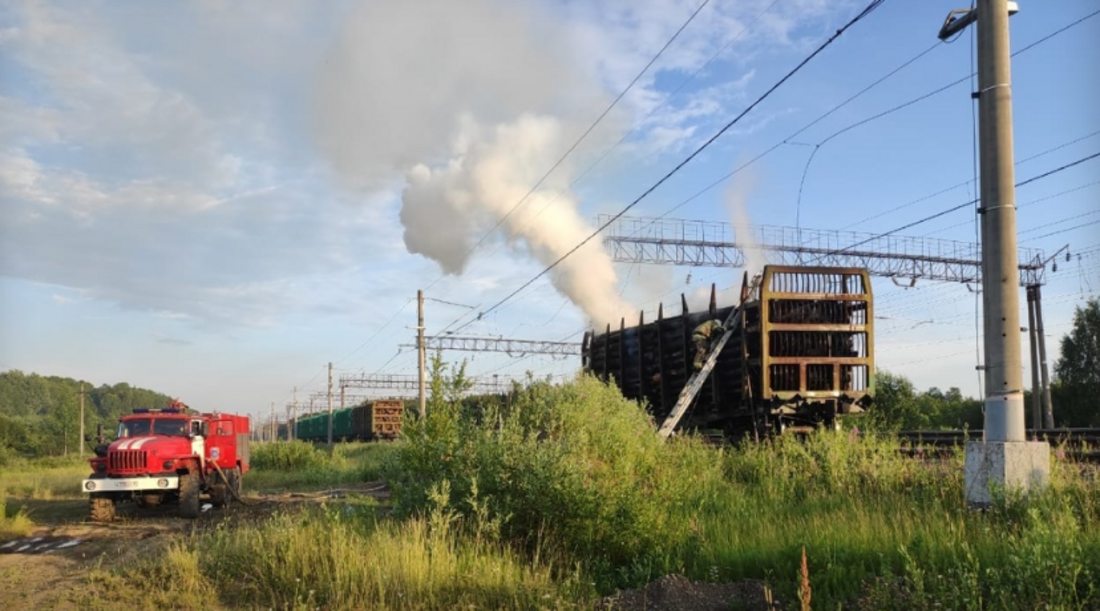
[
  {"x": 101, "y": 509},
  {"x": 189, "y": 495}
]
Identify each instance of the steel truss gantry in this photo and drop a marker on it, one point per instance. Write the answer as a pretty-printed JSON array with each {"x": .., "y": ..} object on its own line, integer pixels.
[
  {"x": 512, "y": 347},
  {"x": 717, "y": 244},
  {"x": 409, "y": 385}
]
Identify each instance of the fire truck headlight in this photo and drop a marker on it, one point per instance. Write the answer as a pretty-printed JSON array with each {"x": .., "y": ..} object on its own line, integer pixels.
[
  {"x": 89, "y": 486},
  {"x": 168, "y": 465},
  {"x": 162, "y": 483}
]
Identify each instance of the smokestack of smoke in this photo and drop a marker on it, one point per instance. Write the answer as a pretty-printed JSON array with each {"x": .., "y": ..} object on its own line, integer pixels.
[{"x": 471, "y": 102}]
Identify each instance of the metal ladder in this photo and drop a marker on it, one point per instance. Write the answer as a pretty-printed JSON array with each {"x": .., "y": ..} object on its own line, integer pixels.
[{"x": 697, "y": 379}]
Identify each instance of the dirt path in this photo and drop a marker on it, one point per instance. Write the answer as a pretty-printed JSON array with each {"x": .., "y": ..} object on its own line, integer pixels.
[{"x": 49, "y": 568}]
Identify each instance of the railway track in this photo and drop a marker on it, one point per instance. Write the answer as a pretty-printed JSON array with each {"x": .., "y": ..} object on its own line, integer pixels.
[{"x": 1081, "y": 444}]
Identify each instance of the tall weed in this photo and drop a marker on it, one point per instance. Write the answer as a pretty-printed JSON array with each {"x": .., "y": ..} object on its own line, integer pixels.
[{"x": 574, "y": 470}]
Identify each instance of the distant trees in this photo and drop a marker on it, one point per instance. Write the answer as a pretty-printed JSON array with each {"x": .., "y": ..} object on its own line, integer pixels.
[
  {"x": 39, "y": 415},
  {"x": 899, "y": 406},
  {"x": 1075, "y": 392}
]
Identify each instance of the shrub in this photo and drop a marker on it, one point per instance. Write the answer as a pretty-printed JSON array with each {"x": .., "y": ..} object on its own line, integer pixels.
[
  {"x": 286, "y": 455},
  {"x": 575, "y": 469}
]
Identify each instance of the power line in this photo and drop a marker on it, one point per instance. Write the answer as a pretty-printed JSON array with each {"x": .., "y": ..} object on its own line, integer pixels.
[
  {"x": 866, "y": 11},
  {"x": 663, "y": 103},
  {"x": 956, "y": 208},
  {"x": 920, "y": 98},
  {"x": 584, "y": 135},
  {"x": 1059, "y": 222},
  {"x": 1060, "y": 231}
]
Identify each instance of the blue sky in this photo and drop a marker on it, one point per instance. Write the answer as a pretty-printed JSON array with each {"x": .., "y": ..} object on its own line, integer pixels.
[{"x": 214, "y": 199}]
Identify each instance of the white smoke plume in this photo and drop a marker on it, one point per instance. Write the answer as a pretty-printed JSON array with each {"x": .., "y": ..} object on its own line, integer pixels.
[
  {"x": 472, "y": 102},
  {"x": 736, "y": 200},
  {"x": 448, "y": 208}
]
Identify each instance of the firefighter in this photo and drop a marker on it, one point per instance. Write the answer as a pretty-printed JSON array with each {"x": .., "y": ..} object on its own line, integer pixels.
[{"x": 703, "y": 335}]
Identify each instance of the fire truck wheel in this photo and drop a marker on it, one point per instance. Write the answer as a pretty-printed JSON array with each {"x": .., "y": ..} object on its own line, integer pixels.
[
  {"x": 101, "y": 509},
  {"x": 189, "y": 495}
]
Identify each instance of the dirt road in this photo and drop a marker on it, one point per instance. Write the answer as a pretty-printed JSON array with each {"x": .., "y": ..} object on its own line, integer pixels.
[{"x": 50, "y": 568}]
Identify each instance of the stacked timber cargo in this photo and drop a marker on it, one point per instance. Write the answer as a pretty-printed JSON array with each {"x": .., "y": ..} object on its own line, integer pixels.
[
  {"x": 379, "y": 419},
  {"x": 802, "y": 355}
]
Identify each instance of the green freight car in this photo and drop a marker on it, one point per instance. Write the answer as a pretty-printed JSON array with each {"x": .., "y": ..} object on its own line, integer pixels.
[{"x": 376, "y": 420}]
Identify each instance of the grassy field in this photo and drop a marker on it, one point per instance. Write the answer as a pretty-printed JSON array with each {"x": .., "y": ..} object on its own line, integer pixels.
[{"x": 569, "y": 496}]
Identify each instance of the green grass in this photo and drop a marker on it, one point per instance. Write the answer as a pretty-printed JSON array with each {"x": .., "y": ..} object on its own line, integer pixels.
[
  {"x": 297, "y": 465},
  {"x": 14, "y": 522},
  {"x": 894, "y": 531},
  {"x": 343, "y": 559},
  {"x": 44, "y": 479}
]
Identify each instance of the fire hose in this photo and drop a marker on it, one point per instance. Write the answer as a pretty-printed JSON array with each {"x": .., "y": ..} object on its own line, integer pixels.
[{"x": 233, "y": 492}]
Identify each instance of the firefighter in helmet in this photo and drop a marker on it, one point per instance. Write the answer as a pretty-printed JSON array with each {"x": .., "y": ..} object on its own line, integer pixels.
[{"x": 703, "y": 336}]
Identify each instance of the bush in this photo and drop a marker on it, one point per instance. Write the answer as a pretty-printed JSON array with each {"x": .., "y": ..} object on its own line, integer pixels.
[
  {"x": 575, "y": 469},
  {"x": 288, "y": 455}
]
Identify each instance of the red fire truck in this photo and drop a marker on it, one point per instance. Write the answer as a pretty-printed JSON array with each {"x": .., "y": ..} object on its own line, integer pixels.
[{"x": 169, "y": 456}]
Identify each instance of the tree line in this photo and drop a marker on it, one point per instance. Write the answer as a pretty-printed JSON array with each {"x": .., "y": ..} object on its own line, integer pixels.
[
  {"x": 40, "y": 415},
  {"x": 1075, "y": 389}
]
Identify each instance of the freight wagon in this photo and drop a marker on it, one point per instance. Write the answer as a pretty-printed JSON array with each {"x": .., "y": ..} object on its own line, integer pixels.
[
  {"x": 801, "y": 354},
  {"x": 376, "y": 420}
]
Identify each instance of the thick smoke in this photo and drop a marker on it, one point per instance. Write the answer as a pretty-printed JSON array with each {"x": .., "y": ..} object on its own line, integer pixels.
[{"x": 472, "y": 103}]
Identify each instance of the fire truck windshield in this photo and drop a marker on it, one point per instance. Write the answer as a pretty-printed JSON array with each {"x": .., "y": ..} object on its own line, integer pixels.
[{"x": 152, "y": 426}]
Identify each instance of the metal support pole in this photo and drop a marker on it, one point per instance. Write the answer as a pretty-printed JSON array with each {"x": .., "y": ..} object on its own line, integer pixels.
[
  {"x": 1004, "y": 416},
  {"x": 421, "y": 356},
  {"x": 1048, "y": 408},
  {"x": 330, "y": 402},
  {"x": 1033, "y": 345}
]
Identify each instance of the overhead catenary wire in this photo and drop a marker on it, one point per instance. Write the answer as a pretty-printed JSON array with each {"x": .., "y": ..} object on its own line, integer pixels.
[
  {"x": 953, "y": 208},
  {"x": 584, "y": 135},
  {"x": 721, "y": 179},
  {"x": 866, "y": 11}
]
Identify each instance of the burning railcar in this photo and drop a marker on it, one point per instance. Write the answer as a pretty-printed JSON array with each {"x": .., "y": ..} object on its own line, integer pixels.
[{"x": 800, "y": 353}]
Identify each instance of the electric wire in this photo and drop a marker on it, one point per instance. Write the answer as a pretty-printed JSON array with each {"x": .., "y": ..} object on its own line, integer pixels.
[
  {"x": 954, "y": 208},
  {"x": 866, "y": 11},
  {"x": 584, "y": 135},
  {"x": 862, "y": 122}
]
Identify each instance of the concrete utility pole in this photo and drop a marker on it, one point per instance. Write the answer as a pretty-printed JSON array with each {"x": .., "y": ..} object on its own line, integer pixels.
[
  {"x": 421, "y": 349},
  {"x": 330, "y": 401},
  {"x": 1004, "y": 459},
  {"x": 1041, "y": 339},
  {"x": 81, "y": 438},
  {"x": 274, "y": 429}
]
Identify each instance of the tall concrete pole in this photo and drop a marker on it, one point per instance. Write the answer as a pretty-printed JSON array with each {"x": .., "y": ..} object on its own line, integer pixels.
[
  {"x": 1004, "y": 459},
  {"x": 1004, "y": 415},
  {"x": 421, "y": 353},
  {"x": 330, "y": 402}
]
